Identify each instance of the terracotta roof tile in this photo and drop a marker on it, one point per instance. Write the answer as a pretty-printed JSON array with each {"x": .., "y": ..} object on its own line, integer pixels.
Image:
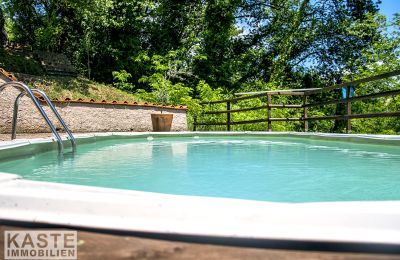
[
  {"x": 8, "y": 74},
  {"x": 124, "y": 103}
]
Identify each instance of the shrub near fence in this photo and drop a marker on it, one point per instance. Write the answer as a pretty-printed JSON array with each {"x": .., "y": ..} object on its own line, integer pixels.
[{"x": 221, "y": 114}]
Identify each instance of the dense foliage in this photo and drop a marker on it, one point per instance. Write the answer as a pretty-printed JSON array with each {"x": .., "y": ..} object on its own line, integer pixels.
[
  {"x": 174, "y": 51},
  {"x": 3, "y": 35}
]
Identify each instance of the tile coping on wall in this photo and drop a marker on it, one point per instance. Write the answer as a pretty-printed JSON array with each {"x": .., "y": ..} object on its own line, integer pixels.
[{"x": 119, "y": 103}]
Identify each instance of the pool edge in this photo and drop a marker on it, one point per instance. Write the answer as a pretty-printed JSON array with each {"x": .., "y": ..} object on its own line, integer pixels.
[
  {"x": 137, "y": 211},
  {"x": 341, "y": 217}
]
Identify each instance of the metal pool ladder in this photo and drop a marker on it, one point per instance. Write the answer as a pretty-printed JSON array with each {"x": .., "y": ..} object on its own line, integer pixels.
[{"x": 25, "y": 90}]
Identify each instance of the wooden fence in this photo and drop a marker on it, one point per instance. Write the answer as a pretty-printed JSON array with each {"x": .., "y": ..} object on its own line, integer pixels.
[{"x": 305, "y": 105}]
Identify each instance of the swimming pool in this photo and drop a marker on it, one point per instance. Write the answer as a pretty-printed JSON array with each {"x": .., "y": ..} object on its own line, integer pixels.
[
  {"x": 266, "y": 168},
  {"x": 195, "y": 199}
]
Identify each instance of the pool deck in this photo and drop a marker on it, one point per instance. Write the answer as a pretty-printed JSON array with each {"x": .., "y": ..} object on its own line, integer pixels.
[
  {"x": 7, "y": 137},
  {"x": 93, "y": 245},
  {"x": 352, "y": 226}
]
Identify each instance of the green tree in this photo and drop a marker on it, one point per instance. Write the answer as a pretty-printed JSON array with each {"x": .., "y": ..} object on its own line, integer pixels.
[
  {"x": 3, "y": 34},
  {"x": 291, "y": 35},
  {"x": 164, "y": 70},
  {"x": 233, "y": 44},
  {"x": 212, "y": 63},
  {"x": 26, "y": 19},
  {"x": 382, "y": 56}
]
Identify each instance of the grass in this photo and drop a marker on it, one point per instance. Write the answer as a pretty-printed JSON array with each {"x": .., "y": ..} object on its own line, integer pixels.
[{"x": 75, "y": 88}]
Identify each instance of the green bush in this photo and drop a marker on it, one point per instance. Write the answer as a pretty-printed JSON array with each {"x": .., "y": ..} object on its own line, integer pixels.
[{"x": 121, "y": 80}]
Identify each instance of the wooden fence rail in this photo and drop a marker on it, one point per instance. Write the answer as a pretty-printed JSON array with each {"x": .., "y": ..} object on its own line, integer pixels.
[{"x": 305, "y": 105}]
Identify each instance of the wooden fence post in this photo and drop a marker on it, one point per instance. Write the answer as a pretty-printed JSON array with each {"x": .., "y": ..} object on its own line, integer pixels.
[
  {"x": 269, "y": 112},
  {"x": 305, "y": 112},
  {"x": 194, "y": 123},
  {"x": 348, "y": 108},
  {"x": 228, "y": 116}
]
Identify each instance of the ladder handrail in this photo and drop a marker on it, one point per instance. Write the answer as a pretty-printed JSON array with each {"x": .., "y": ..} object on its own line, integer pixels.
[
  {"x": 50, "y": 104},
  {"x": 22, "y": 87},
  {"x": 15, "y": 115}
]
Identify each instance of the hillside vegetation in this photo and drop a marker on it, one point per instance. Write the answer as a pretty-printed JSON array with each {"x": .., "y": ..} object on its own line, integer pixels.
[
  {"x": 28, "y": 70},
  {"x": 75, "y": 88}
]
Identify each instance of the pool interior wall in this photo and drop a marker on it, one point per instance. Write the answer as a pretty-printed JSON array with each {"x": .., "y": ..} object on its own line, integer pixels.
[
  {"x": 114, "y": 209},
  {"x": 27, "y": 147}
]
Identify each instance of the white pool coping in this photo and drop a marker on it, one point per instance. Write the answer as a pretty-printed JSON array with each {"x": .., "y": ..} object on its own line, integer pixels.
[{"x": 114, "y": 209}]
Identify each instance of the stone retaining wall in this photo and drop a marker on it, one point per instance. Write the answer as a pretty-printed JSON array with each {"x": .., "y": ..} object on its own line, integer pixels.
[{"x": 83, "y": 117}]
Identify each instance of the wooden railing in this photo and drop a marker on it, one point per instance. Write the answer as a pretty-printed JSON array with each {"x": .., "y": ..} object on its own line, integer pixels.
[{"x": 304, "y": 106}]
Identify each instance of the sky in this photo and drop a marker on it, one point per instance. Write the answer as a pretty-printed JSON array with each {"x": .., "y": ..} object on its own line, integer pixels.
[{"x": 389, "y": 7}]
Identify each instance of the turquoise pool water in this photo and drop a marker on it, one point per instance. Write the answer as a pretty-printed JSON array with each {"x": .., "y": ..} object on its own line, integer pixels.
[{"x": 279, "y": 169}]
